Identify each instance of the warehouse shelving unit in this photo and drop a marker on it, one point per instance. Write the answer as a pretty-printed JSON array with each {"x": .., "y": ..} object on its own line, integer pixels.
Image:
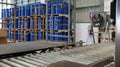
[
  {"x": 71, "y": 22},
  {"x": 24, "y": 31}
]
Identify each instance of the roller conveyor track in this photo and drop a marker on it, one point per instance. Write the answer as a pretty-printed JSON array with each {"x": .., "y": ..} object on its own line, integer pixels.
[{"x": 83, "y": 55}]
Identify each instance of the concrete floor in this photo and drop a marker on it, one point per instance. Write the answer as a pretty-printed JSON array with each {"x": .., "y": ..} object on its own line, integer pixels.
[{"x": 83, "y": 55}]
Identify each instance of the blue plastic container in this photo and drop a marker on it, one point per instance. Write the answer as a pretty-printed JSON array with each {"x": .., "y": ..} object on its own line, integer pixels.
[
  {"x": 11, "y": 25},
  {"x": 39, "y": 35},
  {"x": 32, "y": 36},
  {"x": 31, "y": 23},
  {"x": 65, "y": 38},
  {"x": 18, "y": 35},
  {"x": 11, "y": 11},
  {"x": 7, "y": 13},
  {"x": 19, "y": 10},
  {"x": 41, "y": 11},
  {"x": 50, "y": 23},
  {"x": 27, "y": 10},
  {"x": 50, "y": 37},
  {"x": 2, "y": 13},
  {"x": 57, "y": 23},
  {"x": 32, "y": 9},
  {"x": 49, "y": 7},
  {"x": 27, "y": 36},
  {"x": 58, "y": 9},
  {"x": 22, "y": 9},
  {"x": 65, "y": 8},
  {"x": 19, "y": 23},
  {"x": 12, "y": 35},
  {"x": 39, "y": 27},
  {"x": 8, "y": 34},
  {"x": 57, "y": 38}
]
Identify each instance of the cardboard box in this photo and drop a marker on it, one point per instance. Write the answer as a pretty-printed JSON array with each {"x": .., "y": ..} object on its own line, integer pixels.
[
  {"x": 3, "y": 33},
  {"x": 3, "y": 40}
]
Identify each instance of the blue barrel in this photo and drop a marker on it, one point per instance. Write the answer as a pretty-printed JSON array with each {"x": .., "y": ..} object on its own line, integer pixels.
[
  {"x": 22, "y": 35},
  {"x": 65, "y": 34},
  {"x": 7, "y": 13},
  {"x": 41, "y": 11},
  {"x": 50, "y": 23},
  {"x": 27, "y": 36},
  {"x": 32, "y": 36},
  {"x": 57, "y": 23},
  {"x": 32, "y": 9},
  {"x": 57, "y": 38},
  {"x": 50, "y": 37},
  {"x": 65, "y": 22},
  {"x": 11, "y": 12},
  {"x": 58, "y": 9},
  {"x": 12, "y": 35},
  {"x": 27, "y": 10},
  {"x": 65, "y": 8},
  {"x": 27, "y": 25},
  {"x": 22, "y": 10},
  {"x": 11, "y": 25},
  {"x": 39, "y": 22},
  {"x": 39, "y": 35},
  {"x": 18, "y": 35},
  {"x": 19, "y": 10},
  {"x": 58, "y": 0},
  {"x": 49, "y": 7},
  {"x": 2, "y": 13},
  {"x": 31, "y": 23},
  {"x": 8, "y": 34},
  {"x": 4, "y": 25},
  {"x": 19, "y": 23}
]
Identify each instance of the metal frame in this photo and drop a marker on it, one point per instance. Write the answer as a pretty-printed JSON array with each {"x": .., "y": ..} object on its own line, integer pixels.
[
  {"x": 71, "y": 30},
  {"x": 71, "y": 25},
  {"x": 117, "y": 50}
]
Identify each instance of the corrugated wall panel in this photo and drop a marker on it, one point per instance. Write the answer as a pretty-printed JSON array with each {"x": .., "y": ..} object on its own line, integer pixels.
[{"x": 84, "y": 7}]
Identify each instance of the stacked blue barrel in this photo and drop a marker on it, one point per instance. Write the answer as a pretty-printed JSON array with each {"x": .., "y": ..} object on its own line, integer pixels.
[{"x": 57, "y": 22}]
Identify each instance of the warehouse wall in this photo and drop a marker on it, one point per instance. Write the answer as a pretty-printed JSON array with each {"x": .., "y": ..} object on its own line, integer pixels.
[
  {"x": 107, "y": 5},
  {"x": 84, "y": 7}
]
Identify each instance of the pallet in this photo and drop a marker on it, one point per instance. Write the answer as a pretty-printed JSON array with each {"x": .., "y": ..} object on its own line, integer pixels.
[
  {"x": 29, "y": 16},
  {"x": 61, "y": 15},
  {"x": 58, "y": 30},
  {"x": 3, "y": 40}
]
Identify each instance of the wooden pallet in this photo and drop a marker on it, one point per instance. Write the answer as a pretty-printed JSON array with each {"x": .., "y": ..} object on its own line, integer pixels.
[
  {"x": 3, "y": 40},
  {"x": 61, "y": 15},
  {"x": 58, "y": 30}
]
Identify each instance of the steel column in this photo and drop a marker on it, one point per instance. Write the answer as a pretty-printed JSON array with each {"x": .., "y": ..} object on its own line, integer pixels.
[
  {"x": 74, "y": 20},
  {"x": 46, "y": 22},
  {"x": 117, "y": 34}
]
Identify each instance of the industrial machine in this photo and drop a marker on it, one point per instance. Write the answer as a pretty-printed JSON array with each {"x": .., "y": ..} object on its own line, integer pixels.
[{"x": 102, "y": 21}]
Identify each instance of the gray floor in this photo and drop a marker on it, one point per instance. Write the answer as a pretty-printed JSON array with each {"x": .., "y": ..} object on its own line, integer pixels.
[
  {"x": 28, "y": 46},
  {"x": 83, "y": 55}
]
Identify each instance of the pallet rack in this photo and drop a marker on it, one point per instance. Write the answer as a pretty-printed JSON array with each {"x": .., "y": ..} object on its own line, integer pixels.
[{"x": 71, "y": 25}]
